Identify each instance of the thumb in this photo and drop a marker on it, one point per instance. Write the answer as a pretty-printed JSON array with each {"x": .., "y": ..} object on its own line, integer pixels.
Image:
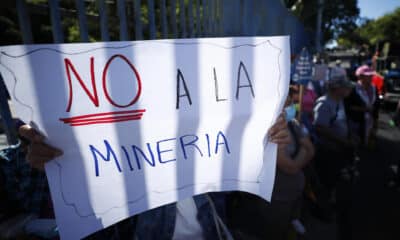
[{"x": 30, "y": 133}]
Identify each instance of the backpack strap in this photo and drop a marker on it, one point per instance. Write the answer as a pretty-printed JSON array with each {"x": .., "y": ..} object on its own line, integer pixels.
[
  {"x": 296, "y": 139},
  {"x": 333, "y": 119}
]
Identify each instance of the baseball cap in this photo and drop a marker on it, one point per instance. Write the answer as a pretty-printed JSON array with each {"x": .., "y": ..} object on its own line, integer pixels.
[
  {"x": 340, "y": 81},
  {"x": 364, "y": 70}
]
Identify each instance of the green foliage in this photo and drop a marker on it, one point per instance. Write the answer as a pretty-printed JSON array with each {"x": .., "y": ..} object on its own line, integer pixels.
[
  {"x": 372, "y": 32},
  {"x": 39, "y": 14},
  {"x": 339, "y": 16},
  {"x": 9, "y": 30}
]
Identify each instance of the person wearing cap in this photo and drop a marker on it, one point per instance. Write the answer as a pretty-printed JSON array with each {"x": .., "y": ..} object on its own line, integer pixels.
[
  {"x": 334, "y": 150},
  {"x": 361, "y": 105},
  {"x": 331, "y": 128}
]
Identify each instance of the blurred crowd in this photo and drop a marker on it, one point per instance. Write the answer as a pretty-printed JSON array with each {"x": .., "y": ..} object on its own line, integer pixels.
[{"x": 330, "y": 119}]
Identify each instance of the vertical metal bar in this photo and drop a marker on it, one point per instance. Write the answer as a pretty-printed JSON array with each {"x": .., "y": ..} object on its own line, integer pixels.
[
  {"x": 138, "y": 19},
  {"x": 190, "y": 16},
  {"x": 173, "y": 19},
  {"x": 123, "y": 33},
  {"x": 6, "y": 117},
  {"x": 245, "y": 16},
  {"x": 221, "y": 29},
  {"x": 231, "y": 17},
  {"x": 252, "y": 22},
  {"x": 217, "y": 19},
  {"x": 204, "y": 17},
  {"x": 58, "y": 36},
  {"x": 212, "y": 17},
  {"x": 103, "y": 21},
  {"x": 318, "y": 33},
  {"x": 163, "y": 19},
  {"x": 83, "y": 30},
  {"x": 152, "y": 20},
  {"x": 198, "y": 19},
  {"x": 209, "y": 17},
  {"x": 182, "y": 16},
  {"x": 24, "y": 22}
]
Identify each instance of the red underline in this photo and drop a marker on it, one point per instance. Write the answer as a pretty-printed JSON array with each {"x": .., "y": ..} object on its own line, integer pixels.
[
  {"x": 102, "y": 118},
  {"x": 94, "y": 115},
  {"x": 106, "y": 117},
  {"x": 91, "y": 122}
]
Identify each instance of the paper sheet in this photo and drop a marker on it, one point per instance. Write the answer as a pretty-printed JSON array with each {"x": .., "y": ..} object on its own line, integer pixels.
[{"x": 146, "y": 123}]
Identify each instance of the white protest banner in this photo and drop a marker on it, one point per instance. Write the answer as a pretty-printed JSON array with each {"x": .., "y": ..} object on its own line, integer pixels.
[{"x": 143, "y": 124}]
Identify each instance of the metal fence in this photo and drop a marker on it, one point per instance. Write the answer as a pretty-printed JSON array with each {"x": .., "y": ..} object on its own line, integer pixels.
[{"x": 176, "y": 19}]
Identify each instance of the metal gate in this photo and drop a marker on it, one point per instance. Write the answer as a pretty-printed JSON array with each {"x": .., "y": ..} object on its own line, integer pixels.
[{"x": 165, "y": 19}]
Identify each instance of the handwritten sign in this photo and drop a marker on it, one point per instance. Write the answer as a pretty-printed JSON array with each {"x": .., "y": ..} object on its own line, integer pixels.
[
  {"x": 147, "y": 123},
  {"x": 303, "y": 68}
]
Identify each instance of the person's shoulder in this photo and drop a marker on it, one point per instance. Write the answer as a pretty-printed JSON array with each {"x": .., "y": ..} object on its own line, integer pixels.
[
  {"x": 323, "y": 103},
  {"x": 321, "y": 100}
]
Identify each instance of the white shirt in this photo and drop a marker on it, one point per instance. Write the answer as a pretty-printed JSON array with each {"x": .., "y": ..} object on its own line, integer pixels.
[{"x": 186, "y": 224}]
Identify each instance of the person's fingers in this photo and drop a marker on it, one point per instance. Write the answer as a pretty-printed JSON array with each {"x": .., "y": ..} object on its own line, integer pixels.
[
  {"x": 279, "y": 125},
  {"x": 282, "y": 137},
  {"x": 43, "y": 150},
  {"x": 277, "y": 130},
  {"x": 30, "y": 133},
  {"x": 282, "y": 134}
]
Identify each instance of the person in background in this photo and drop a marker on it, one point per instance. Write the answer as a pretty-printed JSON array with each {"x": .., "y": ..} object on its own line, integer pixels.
[
  {"x": 330, "y": 123},
  {"x": 285, "y": 208},
  {"x": 275, "y": 220},
  {"x": 305, "y": 108},
  {"x": 377, "y": 82},
  {"x": 335, "y": 149},
  {"x": 307, "y": 105},
  {"x": 377, "y": 79},
  {"x": 361, "y": 105}
]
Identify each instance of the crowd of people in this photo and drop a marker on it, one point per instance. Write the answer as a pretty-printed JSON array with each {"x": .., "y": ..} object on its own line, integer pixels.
[{"x": 324, "y": 125}]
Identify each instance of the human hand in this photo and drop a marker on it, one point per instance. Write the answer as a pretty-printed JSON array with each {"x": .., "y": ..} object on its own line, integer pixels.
[
  {"x": 39, "y": 152},
  {"x": 279, "y": 132}
]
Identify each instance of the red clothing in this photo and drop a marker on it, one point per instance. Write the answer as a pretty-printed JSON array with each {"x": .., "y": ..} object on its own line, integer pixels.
[
  {"x": 377, "y": 81},
  {"x": 309, "y": 98}
]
